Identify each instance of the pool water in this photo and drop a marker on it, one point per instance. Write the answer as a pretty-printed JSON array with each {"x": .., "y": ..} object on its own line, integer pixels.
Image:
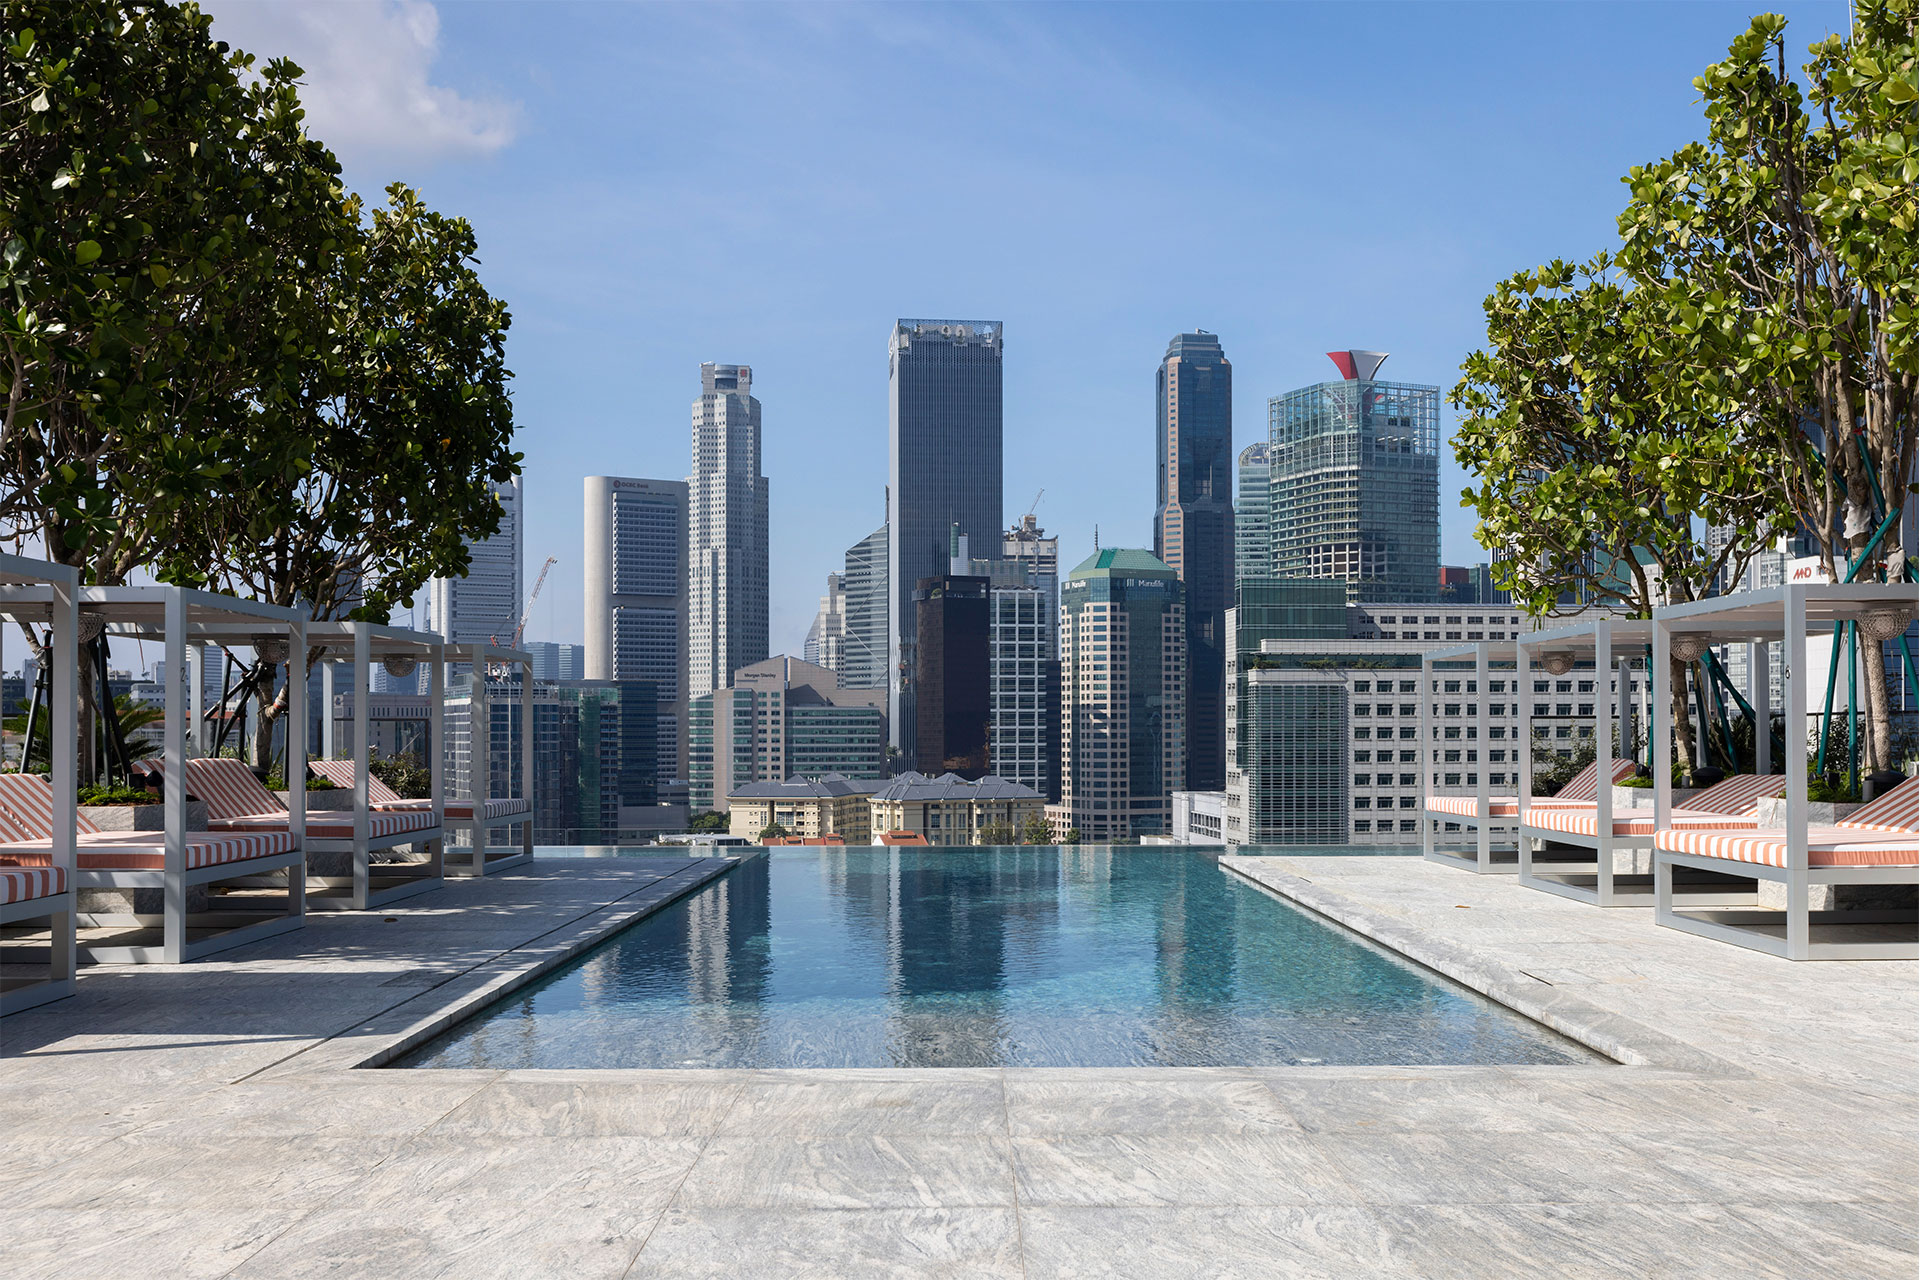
[{"x": 1084, "y": 956}]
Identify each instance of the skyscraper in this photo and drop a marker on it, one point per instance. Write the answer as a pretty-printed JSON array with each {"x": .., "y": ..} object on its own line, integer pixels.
[
  {"x": 1252, "y": 537},
  {"x": 826, "y": 638},
  {"x": 636, "y": 598},
  {"x": 726, "y": 531},
  {"x": 1123, "y": 696},
  {"x": 951, "y": 676},
  {"x": 943, "y": 471},
  {"x": 1356, "y": 482},
  {"x": 863, "y": 642},
  {"x": 484, "y": 605},
  {"x": 1193, "y": 529}
]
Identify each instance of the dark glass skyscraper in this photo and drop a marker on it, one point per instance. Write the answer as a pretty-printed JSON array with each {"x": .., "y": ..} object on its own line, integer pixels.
[
  {"x": 951, "y": 678},
  {"x": 1193, "y": 530},
  {"x": 943, "y": 473}
]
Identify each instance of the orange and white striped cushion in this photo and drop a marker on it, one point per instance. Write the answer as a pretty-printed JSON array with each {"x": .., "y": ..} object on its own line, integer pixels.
[
  {"x": 230, "y": 789},
  {"x": 1500, "y": 806},
  {"x": 24, "y": 884},
  {"x": 1586, "y": 822},
  {"x": 1898, "y": 810},
  {"x": 1826, "y": 847},
  {"x": 458, "y": 810},
  {"x": 1582, "y": 786},
  {"x": 1740, "y": 794},
  {"x": 139, "y": 851},
  {"x": 28, "y": 798},
  {"x": 340, "y": 774},
  {"x": 332, "y": 825}
]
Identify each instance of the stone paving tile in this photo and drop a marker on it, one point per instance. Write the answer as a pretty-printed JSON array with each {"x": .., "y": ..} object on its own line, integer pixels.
[
  {"x": 1066, "y": 1102},
  {"x": 847, "y": 1244},
  {"x": 1498, "y": 1168},
  {"x": 886, "y": 1171},
  {"x": 514, "y": 1108},
  {"x": 1660, "y": 1241},
  {"x": 1294, "y": 1243},
  {"x": 1410, "y": 1100},
  {"x": 536, "y": 1206},
  {"x": 1189, "y": 1169},
  {"x": 930, "y": 1104}
]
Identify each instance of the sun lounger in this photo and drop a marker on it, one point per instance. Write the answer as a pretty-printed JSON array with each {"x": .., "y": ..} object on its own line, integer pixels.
[
  {"x": 494, "y": 813},
  {"x": 237, "y": 802},
  {"x": 1879, "y": 844},
  {"x": 137, "y": 860},
  {"x": 38, "y": 893}
]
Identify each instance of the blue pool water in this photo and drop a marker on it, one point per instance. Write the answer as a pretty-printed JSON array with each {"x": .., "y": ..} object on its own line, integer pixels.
[{"x": 1084, "y": 956}]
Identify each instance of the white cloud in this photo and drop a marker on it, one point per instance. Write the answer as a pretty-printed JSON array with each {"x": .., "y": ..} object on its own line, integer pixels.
[{"x": 367, "y": 86}]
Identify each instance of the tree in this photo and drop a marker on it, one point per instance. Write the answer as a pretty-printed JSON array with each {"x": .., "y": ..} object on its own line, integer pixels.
[
  {"x": 1778, "y": 259},
  {"x": 161, "y": 210},
  {"x": 1035, "y": 830},
  {"x": 710, "y": 822},
  {"x": 407, "y": 408},
  {"x": 1072, "y": 837},
  {"x": 773, "y": 831},
  {"x": 1589, "y": 473},
  {"x": 995, "y": 833}
]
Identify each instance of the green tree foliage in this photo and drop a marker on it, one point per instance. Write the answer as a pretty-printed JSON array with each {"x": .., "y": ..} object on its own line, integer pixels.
[
  {"x": 773, "y": 831},
  {"x": 406, "y": 773},
  {"x": 1587, "y": 471},
  {"x": 1036, "y": 831},
  {"x": 711, "y": 822},
  {"x": 996, "y": 833},
  {"x": 161, "y": 215},
  {"x": 1779, "y": 262}
]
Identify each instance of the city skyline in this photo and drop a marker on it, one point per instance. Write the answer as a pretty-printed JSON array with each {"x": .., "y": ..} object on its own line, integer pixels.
[{"x": 610, "y": 277}]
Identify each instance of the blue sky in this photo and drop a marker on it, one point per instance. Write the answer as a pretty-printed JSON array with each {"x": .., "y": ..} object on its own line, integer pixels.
[{"x": 658, "y": 185}]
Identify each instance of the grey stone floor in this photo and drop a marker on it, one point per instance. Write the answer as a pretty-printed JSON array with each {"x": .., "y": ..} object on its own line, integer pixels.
[{"x": 207, "y": 1121}]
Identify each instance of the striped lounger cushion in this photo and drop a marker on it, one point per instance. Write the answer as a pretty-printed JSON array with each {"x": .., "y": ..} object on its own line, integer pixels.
[
  {"x": 23, "y": 884},
  {"x": 331, "y": 826},
  {"x": 1885, "y": 833},
  {"x": 27, "y": 799},
  {"x": 139, "y": 851},
  {"x": 382, "y": 796},
  {"x": 1580, "y": 789},
  {"x": 1586, "y": 822}
]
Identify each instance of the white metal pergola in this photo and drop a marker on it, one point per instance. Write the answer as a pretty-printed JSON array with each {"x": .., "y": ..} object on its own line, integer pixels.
[
  {"x": 373, "y": 884},
  {"x": 1487, "y": 657},
  {"x": 481, "y": 812},
  {"x": 1606, "y": 642},
  {"x": 57, "y": 589},
  {"x": 1788, "y": 614},
  {"x": 180, "y": 619}
]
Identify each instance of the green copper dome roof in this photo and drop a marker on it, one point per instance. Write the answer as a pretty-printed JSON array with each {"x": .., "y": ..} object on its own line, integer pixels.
[{"x": 1122, "y": 562}]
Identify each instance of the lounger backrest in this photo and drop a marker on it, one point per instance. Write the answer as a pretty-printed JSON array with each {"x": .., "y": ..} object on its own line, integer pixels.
[
  {"x": 28, "y": 800},
  {"x": 1740, "y": 794},
  {"x": 1898, "y": 810},
  {"x": 1581, "y": 786},
  {"x": 340, "y": 774},
  {"x": 230, "y": 789}
]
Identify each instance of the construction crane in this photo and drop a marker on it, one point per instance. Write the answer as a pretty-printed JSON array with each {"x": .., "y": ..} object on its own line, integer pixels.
[
  {"x": 1036, "y": 501},
  {"x": 520, "y": 625}
]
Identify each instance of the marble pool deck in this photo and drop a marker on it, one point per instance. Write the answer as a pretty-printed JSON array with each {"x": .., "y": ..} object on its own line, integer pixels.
[{"x": 217, "y": 1119}]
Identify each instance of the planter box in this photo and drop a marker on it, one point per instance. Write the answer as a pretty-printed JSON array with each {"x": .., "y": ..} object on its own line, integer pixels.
[
  {"x": 142, "y": 817},
  {"x": 1642, "y": 797},
  {"x": 1773, "y": 813}
]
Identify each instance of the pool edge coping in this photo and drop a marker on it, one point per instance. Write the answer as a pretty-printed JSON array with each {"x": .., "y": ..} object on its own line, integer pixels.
[
  {"x": 375, "y": 1042},
  {"x": 1625, "y": 1041}
]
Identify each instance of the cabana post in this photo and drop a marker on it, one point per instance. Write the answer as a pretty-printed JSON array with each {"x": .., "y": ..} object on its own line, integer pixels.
[{"x": 45, "y": 893}]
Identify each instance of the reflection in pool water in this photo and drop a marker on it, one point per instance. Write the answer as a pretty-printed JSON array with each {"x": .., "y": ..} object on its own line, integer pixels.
[{"x": 1079, "y": 956}]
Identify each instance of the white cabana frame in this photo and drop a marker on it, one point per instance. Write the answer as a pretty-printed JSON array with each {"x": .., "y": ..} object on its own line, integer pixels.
[
  {"x": 57, "y": 607},
  {"x": 1607, "y": 641},
  {"x": 489, "y": 813},
  {"x": 375, "y": 884},
  {"x": 1787, "y": 614},
  {"x": 1488, "y": 657},
  {"x": 180, "y": 619}
]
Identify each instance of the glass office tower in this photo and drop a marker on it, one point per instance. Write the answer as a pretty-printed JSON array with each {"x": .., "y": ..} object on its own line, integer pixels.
[
  {"x": 1193, "y": 528},
  {"x": 1252, "y": 539},
  {"x": 943, "y": 472},
  {"x": 1356, "y": 482}
]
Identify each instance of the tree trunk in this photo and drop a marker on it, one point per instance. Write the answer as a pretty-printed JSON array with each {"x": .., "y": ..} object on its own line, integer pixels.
[
  {"x": 1879, "y": 736},
  {"x": 1682, "y": 719}
]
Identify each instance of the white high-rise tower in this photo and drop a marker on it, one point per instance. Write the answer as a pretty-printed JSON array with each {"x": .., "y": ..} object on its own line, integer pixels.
[
  {"x": 486, "y": 603},
  {"x": 726, "y": 531}
]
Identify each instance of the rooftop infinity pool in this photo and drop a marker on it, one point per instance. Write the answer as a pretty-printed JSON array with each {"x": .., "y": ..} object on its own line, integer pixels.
[{"x": 1082, "y": 956}]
